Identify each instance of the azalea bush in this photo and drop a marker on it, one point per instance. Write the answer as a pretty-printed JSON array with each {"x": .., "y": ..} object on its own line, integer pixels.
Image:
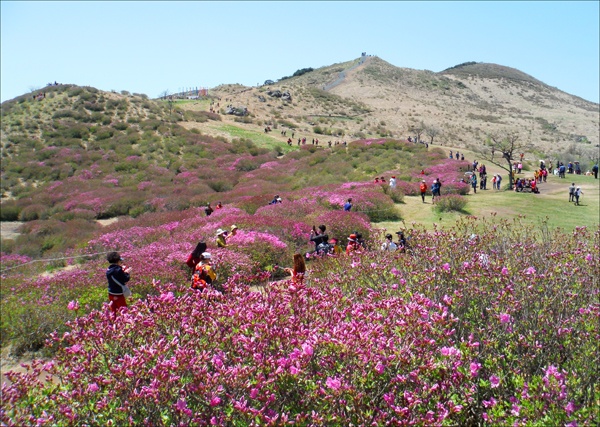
[{"x": 472, "y": 325}]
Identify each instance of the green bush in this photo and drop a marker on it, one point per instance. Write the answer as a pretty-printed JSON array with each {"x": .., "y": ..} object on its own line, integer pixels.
[
  {"x": 9, "y": 212},
  {"x": 450, "y": 202}
]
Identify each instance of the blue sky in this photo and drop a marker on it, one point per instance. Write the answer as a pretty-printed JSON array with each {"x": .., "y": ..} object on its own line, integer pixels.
[{"x": 150, "y": 47}]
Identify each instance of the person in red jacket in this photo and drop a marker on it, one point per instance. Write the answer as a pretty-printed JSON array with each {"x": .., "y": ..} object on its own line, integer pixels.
[
  {"x": 423, "y": 188},
  {"x": 352, "y": 244}
]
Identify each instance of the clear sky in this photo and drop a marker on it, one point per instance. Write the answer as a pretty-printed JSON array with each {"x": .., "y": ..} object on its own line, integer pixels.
[{"x": 152, "y": 47}]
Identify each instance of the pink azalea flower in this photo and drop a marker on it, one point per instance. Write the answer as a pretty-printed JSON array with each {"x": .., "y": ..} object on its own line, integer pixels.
[
  {"x": 379, "y": 368},
  {"x": 504, "y": 271},
  {"x": 333, "y": 383},
  {"x": 307, "y": 349},
  {"x": 505, "y": 318},
  {"x": 474, "y": 367},
  {"x": 530, "y": 271},
  {"x": 494, "y": 381},
  {"x": 93, "y": 387},
  {"x": 570, "y": 408},
  {"x": 216, "y": 400},
  {"x": 73, "y": 305},
  {"x": 446, "y": 267},
  {"x": 253, "y": 393},
  {"x": 294, "y": 370}
]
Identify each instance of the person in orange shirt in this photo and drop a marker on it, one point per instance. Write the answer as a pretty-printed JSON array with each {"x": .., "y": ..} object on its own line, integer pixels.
[{"x": 423, "y": 188}]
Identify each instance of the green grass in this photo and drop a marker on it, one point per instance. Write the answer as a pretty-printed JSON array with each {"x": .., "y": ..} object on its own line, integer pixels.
[
  {"x": 259, "y": 138},
  {"x": 551, "y": 205}
]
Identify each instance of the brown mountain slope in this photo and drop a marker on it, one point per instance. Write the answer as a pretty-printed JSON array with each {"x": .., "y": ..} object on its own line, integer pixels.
[{"x": 462, "y": 105}]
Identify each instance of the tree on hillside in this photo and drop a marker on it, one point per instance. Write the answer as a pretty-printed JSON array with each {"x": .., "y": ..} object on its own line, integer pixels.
[
  {"x": 502, "y": 150},
  {"x": 418, "y": 130},
  {"x": 432, "y": 131}
]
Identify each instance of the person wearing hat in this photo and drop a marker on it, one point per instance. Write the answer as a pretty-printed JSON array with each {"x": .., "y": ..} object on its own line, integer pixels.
[
  {"x": 423, "y": 188},
  {"x": 393, "y": 182},
  {"x": 221, "y": 239},
  {"x": 117, "y": 275},
  {"x": 204, "y": 274},
  {"x": 352, "y": 245},
  {"x": 232, "y": 233}
]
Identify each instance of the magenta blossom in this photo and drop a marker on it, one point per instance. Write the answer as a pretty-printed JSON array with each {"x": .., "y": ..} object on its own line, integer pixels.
[
  {"x": 494, "y": 381},
  {"x": 73, "y": 305},
  {"x": 333, "y": 383}
]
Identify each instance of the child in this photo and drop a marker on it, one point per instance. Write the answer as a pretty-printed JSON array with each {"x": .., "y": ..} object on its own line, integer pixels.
[{"x": 117, "y": 277}]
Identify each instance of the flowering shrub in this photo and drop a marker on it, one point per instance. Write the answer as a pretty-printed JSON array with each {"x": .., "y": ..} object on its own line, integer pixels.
[{"x": 472, "y": 325}]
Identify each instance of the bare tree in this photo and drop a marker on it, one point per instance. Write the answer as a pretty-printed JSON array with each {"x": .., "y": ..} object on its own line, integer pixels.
[
  {"x": 432, "y": 131},
  {"x": 501, "y": 150},
  {"x": 418, "y": 130},
  {"x": 164, "y": 94}
]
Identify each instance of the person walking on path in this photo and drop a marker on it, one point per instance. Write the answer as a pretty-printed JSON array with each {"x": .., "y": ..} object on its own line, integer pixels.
[
  {"x": 578, "y": 193},
  {"x": 498, "y": 181},
  {"x": 572, "y": 192},
  {"x": 423, "y": 188},
  {"x": 474, "y": 183},
  {"x": 117, "y": 276},
  {"x": 595, "y": 170}
]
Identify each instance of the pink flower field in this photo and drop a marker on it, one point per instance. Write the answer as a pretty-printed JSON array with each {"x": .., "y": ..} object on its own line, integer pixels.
[{"x": 462, "y": 329}]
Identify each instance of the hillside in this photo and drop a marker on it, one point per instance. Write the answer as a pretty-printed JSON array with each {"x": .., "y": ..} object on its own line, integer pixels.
[
  {"x": 460, "y": 106},
  {"x": 73, "y": 155}
]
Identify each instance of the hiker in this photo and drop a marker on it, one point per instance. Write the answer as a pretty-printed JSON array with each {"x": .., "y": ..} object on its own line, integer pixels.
[
  {"x": 578, "y": 193},
  {"x": 389, "y": 245},
  {"x": 348, "y": 205},
  {"x": 336, "y": 248},
  {"x": 572, "y": 192},
  {"x": 352, "y": 245},
  {"x": 299, "y": 269},
  {"x": 360, "y": 242},
  {"x": 117, "y": 275},
  {"x": 595, "y": 170},
  {"x": 474, "y": 183},
  {"x": 196, "y": 255},
  {"x": 204, "y": 274},
  {"x": 221, "y": 238},
  {"x": 435, "y": 190},
  {"x": 233, "y": 232},
  {"x": 393, "y": 182},
  {"x": 319, "y": 238},
  {"x": 275, "y": 200},
  {"x": 219, "y": 206},
  {"x": 208, "y": 209},
  {"x": 423, "y": 188},
  {"x": 498, "y": 181}
]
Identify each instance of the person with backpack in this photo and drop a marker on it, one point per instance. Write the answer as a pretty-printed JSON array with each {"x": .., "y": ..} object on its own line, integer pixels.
[
  {"x": 423, "y": 188},
  {"x": 474, "y": 183},
  {"x": 196, "y": 255},
  {"x": 204, "y": 274},
  {"x": 117, "y": 275},
  {"x": 435, "y": 190},
  {"x": 348, "y": 204},
  {"x": 208, "y": 210}
]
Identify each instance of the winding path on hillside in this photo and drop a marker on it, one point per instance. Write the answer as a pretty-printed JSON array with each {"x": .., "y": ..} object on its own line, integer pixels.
[{"x": 342, "y": 74}]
